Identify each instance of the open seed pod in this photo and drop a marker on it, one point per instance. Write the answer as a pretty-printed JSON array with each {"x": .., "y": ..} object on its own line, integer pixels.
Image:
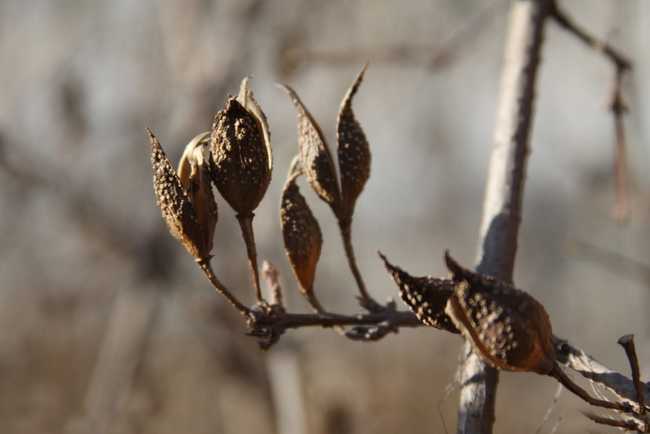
[
  {"x": 425, "y": 296},
  {"x": 315, "y": 156},
  {"x": 353, "y": 151},
  {"x": 194, "y": 174},
  {"x": 241, "y": 152},
  {"x": 507, "y": 327},
  {"x": 187, "y": 205},
  {"x": 301, "y": 233}
]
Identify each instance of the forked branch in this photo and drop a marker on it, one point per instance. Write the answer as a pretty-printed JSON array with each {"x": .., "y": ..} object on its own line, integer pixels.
[{"x": 622, "y": 65}]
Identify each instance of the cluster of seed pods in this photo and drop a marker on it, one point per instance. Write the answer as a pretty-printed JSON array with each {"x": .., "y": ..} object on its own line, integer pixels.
[{"x": 235, "y": 156}]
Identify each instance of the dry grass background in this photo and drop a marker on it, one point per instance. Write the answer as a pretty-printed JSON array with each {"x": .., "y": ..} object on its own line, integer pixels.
[{"x": 79, "y": 233}]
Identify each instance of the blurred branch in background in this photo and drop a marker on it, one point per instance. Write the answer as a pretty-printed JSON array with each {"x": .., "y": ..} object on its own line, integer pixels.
[
  {"x": 615, "y": 262},
  {"x": 292, "y": 56},
  {"x": 622, "y": 65},
  {"x": 134, "y": 309}
]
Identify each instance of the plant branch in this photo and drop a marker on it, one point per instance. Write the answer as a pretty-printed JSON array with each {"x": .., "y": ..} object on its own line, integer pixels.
[
  {"x": 627, "y": 342},
  {"x": 431, "y": 57},
  {"x": 364, "y": 298},
  {"x": 268, "y": 322},
  {"x": 624, "y": 266},
  {"x": 206, "y": 267},
  {"x": 627, "y": 424},
  {"x": 617, "y": 104},
  {"x": 246, "y": 225},
  {"x": 504, "y": 194}
]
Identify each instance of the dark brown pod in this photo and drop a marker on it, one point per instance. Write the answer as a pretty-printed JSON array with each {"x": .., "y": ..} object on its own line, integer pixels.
[
  {"x": 425, "y": 296},
  {"x": 241, "y": 153},
  {"x": 193, "y": 172},
  {"x": 302, "y": 235},
  {"x": 315, "y": 156},
  {"x": 353, "y": 151},
  {"x": 507, "y": 327},
  {"x": 175, "y": 205}
]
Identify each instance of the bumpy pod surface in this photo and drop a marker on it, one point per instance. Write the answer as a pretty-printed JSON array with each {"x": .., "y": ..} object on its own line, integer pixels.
[
  {"x": 241, "y": 157},
  {"x": 425, "y": 296},
  {"x": 353, "y": 151},
  {"x": 174, "y": 203},
  {"x": 507, "y": 327},
  {"x": 315, "y": 156},
  {"x": 193, "y": 172},
  {"x": 302, "y": 235}
]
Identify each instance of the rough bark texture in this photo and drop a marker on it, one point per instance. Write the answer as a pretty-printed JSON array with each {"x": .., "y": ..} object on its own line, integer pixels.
[{"x": 504, "y": 192}]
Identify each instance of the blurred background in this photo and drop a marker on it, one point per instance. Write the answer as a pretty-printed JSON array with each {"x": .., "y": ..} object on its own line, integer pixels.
[{"x": 108, "y": 326}]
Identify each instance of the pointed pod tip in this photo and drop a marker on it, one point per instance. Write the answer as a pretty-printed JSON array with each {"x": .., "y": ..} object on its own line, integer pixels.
[
  {"x": 347, "y": 100},
  {"x": 389, "y": 266},
  {"x": 293, "y": 95},
  {"x": 363, "y": 70},
  {"x": 384, "y": 258},
  {"x": 152, "y": 136},
  {"x": 153, "y": 140},
  {"x": 282, "y": 86},
  {"x": 453, "y": 266},
  {"x": 244, "y": 90}
]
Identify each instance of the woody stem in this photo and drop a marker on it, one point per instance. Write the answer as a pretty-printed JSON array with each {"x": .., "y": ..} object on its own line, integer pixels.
[
  {"x": 246, "y": 225},
  {"x": 559, "y": 375},
  {"x": 221, "y": 288},
  {"x": 366, "y": 300}
]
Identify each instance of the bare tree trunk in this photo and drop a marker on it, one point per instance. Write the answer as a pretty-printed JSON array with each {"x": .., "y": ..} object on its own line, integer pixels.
[{"x": 504, "y": 193}]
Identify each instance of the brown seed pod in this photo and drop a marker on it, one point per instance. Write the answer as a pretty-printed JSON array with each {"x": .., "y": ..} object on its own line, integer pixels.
[
  {"x": 176, "y": 206},
  {"x": 193, "y": 172},
  {"x": 315, "y": 156},
  {"x": 353, "y": 151},
  {"x": 302, "y": 235},
  {"x": 425, "y": 296},
  {"x": 507, "y": 327},
  {"x": 241, "y": 152}
]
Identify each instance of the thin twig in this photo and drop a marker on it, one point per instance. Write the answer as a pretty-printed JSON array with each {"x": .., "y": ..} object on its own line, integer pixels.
[
  {"x": 563, "y": 20},
  {"x": 623, "y": 265},
  {"x": 617, "y": 105},
  {"x": 618, "y": 109},
  {"x": 206, "y": 267},
  {"x": 246, "y": 225},
  {"x": 365, "y": 299},
  {"x": 405, "y": 54},
  {"x": 268, "y": 325},
  {"x": 627, "y": 342},
  {"x": 270, "y": 274},
  {"x": 627, "y": 424},
  {"x": 574, "y": 388}
]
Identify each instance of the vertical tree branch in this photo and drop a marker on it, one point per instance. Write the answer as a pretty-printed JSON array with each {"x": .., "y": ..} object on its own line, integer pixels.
[{"x": 504, "y": 192}]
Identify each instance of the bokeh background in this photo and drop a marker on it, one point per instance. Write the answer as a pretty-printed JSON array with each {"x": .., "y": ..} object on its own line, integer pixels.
[{"x": 107, "y": 325}]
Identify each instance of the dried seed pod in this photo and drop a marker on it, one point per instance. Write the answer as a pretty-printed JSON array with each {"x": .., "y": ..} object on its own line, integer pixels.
[
  {"x": 425, "y": 296},
  {"x": 241, "y": 152},
  {"x": 315, "y": 156},
  {"x": 193, "y": 172},
  {"x": 302, "y": 235},
  {"x": 353, "y": 151},
  {"x": 176, "y": 205},
  {"x": 507, "y": 327},
  {"x": 248, "y": 101}
]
